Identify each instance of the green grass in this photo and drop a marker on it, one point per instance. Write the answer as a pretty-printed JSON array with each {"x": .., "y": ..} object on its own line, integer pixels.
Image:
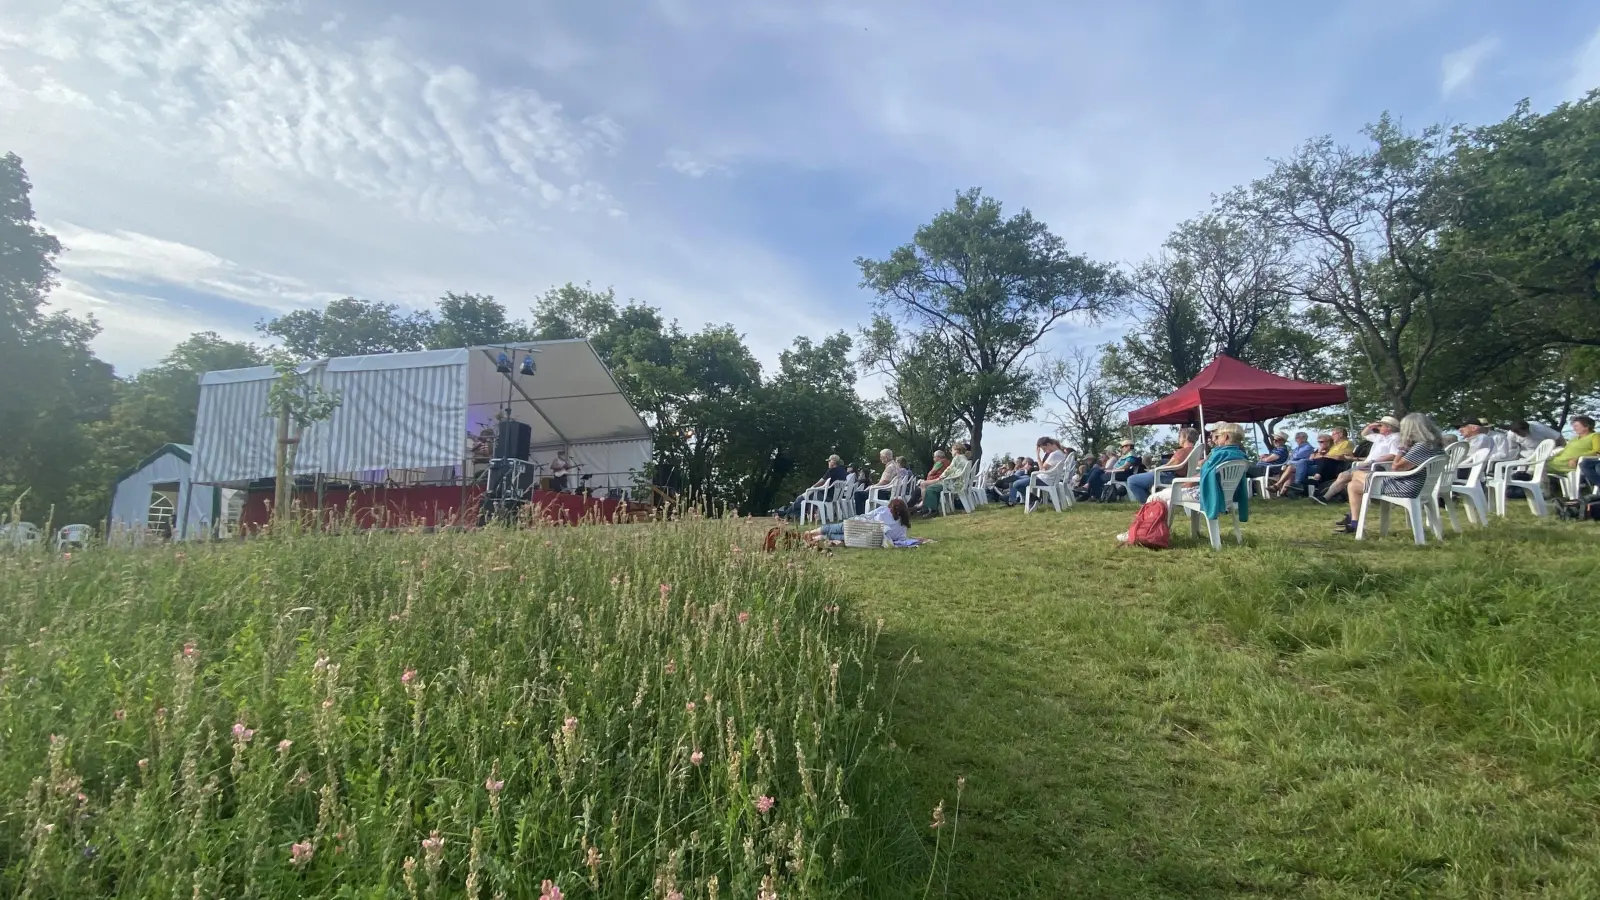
[
  {"x": 1304, "y": 717},
  {"x": 443, "y": 715}
]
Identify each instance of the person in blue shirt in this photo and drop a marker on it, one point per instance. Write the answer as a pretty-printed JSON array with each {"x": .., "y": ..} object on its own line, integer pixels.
[
  {"x": 1277, "y": 455},
  {"x": 1300, "y": 460}
]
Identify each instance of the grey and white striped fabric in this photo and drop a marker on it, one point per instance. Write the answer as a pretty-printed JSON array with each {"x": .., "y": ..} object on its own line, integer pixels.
[
  {"x": 396, "y": 411},
  {"x": 234, "y": 431}
]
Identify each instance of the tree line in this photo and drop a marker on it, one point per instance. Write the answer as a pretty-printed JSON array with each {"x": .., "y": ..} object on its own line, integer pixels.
[{"x": 1450, "y": 270}]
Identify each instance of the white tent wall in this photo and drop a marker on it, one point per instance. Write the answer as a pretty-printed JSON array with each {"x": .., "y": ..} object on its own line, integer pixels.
[
  {"x": 234, "y": 438},
  {"x": 130, "y": 502},
  {"x": 396, "y": 411},
  {"x": 417, "y": 411}
]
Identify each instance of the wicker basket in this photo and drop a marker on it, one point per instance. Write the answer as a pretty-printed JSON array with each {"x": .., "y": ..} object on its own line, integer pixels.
[{"x": 863, "y": 534}]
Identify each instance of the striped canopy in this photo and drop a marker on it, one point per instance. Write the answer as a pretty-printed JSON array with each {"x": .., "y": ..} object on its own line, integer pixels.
[{"x": 420, "y": 410}]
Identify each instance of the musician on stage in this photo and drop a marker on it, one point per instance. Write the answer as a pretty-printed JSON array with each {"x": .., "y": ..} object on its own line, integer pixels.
[{"x": 559, "y": 467}]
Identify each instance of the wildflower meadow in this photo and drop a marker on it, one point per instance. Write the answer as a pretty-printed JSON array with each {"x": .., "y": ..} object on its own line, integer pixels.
[{"x": 554, "y": 713}]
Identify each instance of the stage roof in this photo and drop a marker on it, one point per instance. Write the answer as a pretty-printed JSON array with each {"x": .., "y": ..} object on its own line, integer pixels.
[{"x": 1231, "y": 391}]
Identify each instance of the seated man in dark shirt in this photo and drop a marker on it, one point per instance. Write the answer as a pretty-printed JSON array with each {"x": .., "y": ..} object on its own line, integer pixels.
[{"x": 836, "y": 473}]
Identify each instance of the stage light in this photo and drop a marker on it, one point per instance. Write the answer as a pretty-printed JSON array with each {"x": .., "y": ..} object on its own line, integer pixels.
[
  {"x": 527, "y": 364},
  {"x": 502, "y": 364}
]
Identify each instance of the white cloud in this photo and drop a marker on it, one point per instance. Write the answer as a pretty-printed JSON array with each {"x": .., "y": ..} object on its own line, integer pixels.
[
  {"x": 688, "y": 164},
  {"x": 1585, "y": 68},
  {"x": 1459, "y": 67}
]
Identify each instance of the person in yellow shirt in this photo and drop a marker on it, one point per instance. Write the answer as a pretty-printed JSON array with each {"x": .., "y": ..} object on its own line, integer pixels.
[{"x": 1586, "y": 443}]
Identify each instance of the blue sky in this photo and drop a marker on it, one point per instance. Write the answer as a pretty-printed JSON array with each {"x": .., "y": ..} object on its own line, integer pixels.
[{"x": 210, "y": 163}]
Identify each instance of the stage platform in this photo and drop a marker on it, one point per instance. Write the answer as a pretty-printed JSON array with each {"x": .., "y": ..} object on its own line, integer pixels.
[{"x": 431, "y": 506}]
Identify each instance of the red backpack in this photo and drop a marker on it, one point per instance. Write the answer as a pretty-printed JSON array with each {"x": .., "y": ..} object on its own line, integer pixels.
[{"x": 1149, "y": 528}]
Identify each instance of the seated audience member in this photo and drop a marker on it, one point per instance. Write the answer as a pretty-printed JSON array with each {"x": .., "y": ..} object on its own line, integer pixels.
[
  {"x": 1140, "y": 486},
  {"x": 835, "y": 472},
  {"x": 1584, "y": 443},
  {"x": 891, "y": 471},
  {"x": 896, "y": 519},
  {"x": 941, "y": 459},
  {"x": 1480, "y": 435},
  {"x": 1383, "y": 445},
  {"x": 1116, "y": 467},
  {"x": 1277, "y": 455},
  {"x": 1227, "y": 445},
  {"x": 1052, "y": 465},
  {"x": 1527, "y": 436},
  {"x": 1088, "y": 472},
  {"x": 953, "y": 475},
  {"x": 1300, "y": 458},
  {"x": 1419, "y": 440}
]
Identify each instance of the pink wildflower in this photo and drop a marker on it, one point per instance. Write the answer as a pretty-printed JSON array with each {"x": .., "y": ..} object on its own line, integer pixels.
[
  {"x": 242, "y": 734},
  {"x": 697, "y": 757},
  {"x": 765, "y": 803},
  {"x": 689, "y": 707},
  {"x": 672, "y": 667},
  {"x": 284, "y": 745},
  {"x": 320, "y": 664},
  {"x": 189, "y": 650},
  {"x": 433, "y": 845},
  {"x": 328, "y": 703},
  {"x": 549, "y": 891},
  {"x": 408, "y": 676},
  {"x": 119, "y": 714},
  {"x": 300, "y": 853},
  {"x": 570, "y": 726},
  {"x": 493, "y": 786},
  {"x": 744, "y": 617},
  {"x": 144, "y": 764},
  {"x": 665, "y": 590},
  {"x": 674, "y": 894},
  {"x": 67, "y": 555}
]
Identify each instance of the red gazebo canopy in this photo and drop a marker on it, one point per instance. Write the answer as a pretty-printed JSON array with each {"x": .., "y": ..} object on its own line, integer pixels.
[{"x": 1230, "y": 391}]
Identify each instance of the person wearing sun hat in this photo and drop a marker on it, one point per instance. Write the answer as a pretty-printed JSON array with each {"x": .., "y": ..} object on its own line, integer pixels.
[{"x": 1385, "y": 437}]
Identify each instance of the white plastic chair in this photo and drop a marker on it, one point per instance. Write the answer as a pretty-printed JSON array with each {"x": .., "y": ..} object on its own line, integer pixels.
[
  {"x": 824, "y": 500},
  {"x": 954, "y": 492},
  {"x": 880, "y": 494},
  {"x": 21, "y": 534},
  {"x": 1571, "y": 484},
  {"x": 1186, "y": 496},
  {"x": 1422, "y": 510},
  {"x": 1262, "y": 484},
  {"x": 1532, "y": 489},
  {"x": 1477, "y": 508},
  {"x": 977, "y": 493},
  {"x": 1058, "y": 491},
  {"x": 68, "y": 536}
]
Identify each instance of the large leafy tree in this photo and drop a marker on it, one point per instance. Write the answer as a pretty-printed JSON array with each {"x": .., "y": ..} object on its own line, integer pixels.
[
  {"x": 923, "y": 380},
  {"x": 350, "y": 327},
  {"x": 473, "y": 320},
  {"x": 991, "y": 287},
  {"x": 51, "y": 384},
  {"x": 1527, "y": 228},
  {"x": 1364, "y": 227},
  {"x": 1090, "y": 414}
]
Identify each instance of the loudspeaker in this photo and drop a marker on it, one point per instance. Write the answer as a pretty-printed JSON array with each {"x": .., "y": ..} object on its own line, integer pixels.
[
  {"x": 509, "y": 478},
  {"x": 513, "y": 439}
]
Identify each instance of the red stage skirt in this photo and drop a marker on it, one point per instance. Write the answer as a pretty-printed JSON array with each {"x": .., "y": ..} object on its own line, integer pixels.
[{"x": 409, "y": 507}]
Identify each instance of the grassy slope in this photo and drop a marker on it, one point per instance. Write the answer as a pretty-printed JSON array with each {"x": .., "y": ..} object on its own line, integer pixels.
[{"x": 1304, "y": 717}]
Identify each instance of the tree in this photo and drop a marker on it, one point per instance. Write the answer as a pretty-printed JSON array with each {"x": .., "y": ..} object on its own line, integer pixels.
[
  {"x": 473, "y": 320},
  {"x": 923, "y": 378},
  {"x": 1220, "y": 285},
  {"x": 1525, "y": 227},
  {"x": 51, "y": 384},
  {"x": 350, "y": 327},
  {"x": 1092, "y": 415},
  {"x": 1364, "y": 227},
  {"x": 991, "y": 288}
]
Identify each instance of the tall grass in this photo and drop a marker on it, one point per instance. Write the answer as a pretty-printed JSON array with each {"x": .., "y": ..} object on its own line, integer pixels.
[{"x": 595, "y": 712}]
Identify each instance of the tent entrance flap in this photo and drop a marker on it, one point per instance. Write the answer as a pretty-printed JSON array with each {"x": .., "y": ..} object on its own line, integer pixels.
[{"x": 1229, "y": 390}]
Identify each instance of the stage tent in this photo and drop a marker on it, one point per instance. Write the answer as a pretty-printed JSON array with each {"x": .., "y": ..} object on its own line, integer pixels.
[
  {"x": 1231, "y": 391},
  {"x": 418, "y": 412}
]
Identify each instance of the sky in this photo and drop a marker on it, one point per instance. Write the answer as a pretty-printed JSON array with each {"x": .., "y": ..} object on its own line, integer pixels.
[{"x": 212, "y": 163}]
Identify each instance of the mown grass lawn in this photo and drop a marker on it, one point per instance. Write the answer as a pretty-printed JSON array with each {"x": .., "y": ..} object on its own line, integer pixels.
[{"x": 1305, "y": 716}]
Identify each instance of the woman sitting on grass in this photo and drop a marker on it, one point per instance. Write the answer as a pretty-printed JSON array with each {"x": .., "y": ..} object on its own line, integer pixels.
[{"x": 896, "y": 519}]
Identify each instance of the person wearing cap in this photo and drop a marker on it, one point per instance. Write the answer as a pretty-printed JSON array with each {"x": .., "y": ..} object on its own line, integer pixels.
[
  {"x": 1420, "y": 440},
  {"x": 1300, "y": 460},
  {"x": 1480, "y": 435},
  {"x": 1277, "y": 456},
  {"x": 1383, "y": 445}
]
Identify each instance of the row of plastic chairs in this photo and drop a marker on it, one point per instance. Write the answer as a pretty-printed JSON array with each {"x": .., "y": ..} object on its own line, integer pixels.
[{"x": 18, "y": 535}]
